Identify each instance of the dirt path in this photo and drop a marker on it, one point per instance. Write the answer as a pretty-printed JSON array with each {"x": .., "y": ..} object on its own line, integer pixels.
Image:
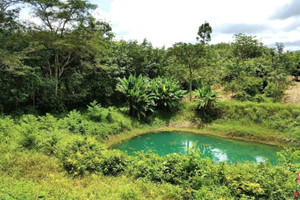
[{"x": 292, "y": 94}]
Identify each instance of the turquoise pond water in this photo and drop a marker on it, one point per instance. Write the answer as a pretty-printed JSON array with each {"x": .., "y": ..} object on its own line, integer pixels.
[{"x": 218, "y": 149}]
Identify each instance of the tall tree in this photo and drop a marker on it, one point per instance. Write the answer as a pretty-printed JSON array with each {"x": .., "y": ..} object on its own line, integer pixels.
[
  {"x": 8, "y": 14},
  {"x": 61, "y": 31},
  {"x": 279, "y": 47},
  {"x": 189, "y": 56},
  {"x": 204, "y": 32},
  {"x": 130, "y": 57},
  {"x": 247, "y": 47}
]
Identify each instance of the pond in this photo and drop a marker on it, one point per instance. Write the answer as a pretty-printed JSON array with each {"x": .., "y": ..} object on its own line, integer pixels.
[{"x": 218, "y": 149}]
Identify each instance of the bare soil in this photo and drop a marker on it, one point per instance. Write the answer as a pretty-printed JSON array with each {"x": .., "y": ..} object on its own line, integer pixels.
[{"x": 292, "y": 94}]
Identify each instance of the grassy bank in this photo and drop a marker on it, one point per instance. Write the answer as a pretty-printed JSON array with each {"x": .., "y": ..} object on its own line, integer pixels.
[
  {"x": 271, "y": 123},
  {"x": 268, "y": 123}
]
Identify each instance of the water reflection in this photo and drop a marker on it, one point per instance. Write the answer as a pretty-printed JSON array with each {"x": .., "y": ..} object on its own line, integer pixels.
[
  {"x": 219, "y": 155},
  {"x": 186, "y": 145},
  {"x": 259, "y": 159}
]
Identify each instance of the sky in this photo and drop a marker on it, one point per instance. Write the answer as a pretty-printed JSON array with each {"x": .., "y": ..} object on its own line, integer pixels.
[{"x": 165, "y": 22}]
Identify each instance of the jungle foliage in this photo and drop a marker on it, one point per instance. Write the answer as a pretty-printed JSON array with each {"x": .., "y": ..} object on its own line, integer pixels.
[{"x": 71, "y": 59}]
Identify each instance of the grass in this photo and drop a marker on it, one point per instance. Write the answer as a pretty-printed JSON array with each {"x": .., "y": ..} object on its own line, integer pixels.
[
  {"x": 36, "y": 176},
  {"x": 268, "y": 123}
]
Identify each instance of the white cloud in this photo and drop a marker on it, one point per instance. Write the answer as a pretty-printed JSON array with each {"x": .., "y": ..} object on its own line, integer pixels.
[{"x": 164, "y": 22}]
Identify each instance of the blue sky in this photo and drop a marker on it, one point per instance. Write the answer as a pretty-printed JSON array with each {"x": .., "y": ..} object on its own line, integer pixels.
[{"x": 103, "y": 4}]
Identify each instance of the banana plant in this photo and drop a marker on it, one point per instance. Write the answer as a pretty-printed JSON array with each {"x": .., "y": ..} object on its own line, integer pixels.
[
  {"x": 138, "y": 95},
  {"x": 207, "y": 98},
  {"x": 167, "y": 92}
]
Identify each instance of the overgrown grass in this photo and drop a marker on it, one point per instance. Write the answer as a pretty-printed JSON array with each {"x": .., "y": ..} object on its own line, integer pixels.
[{"x": 36, "y": 176}]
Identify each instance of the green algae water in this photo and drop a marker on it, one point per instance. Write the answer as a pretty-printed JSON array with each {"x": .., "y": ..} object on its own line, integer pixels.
[{"x": 218, "y": 149}]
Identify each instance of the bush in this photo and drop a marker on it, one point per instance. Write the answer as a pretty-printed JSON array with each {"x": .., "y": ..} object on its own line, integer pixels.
[
  {"x": 275, "y": 91},
  {"x": 98, "y": 121},
  {"x": 207, "y": 100},
  {"x": 85, "y": 155},
  {"x": 82, "y": 155},
  {"x": 74, "y": 122},
  {"x": 96, "y": 113},
  {"x": 29, "y": 130},
  {"x": 205, "y": 179},
  {"x": 8, "y": 132},
  {"x": 113, "y": 162}
]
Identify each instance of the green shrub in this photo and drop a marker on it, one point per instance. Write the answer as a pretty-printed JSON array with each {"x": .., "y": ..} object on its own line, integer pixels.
[
  {"x": 143, "y": 95},
  {"x": 48, "y": 122},
  {"x": 96, "y": 113},
  {"x": 242, "y": 96},
  {"x": 8, "y": 134},
  {"x": 113, "y": 162},
  {"x": 100, "y": 122},
  {"x": 41, "y": 134},
  {"x": 29, "y": 130},
  {"x": 7, "y": 127},
  {"x": 205, "y": 179},
  {"x": 174, "y": 168},
  {"x": 74, "y": 122},
  {"x": 82, "y": 155},
  {"x": 275, "y": 91}
]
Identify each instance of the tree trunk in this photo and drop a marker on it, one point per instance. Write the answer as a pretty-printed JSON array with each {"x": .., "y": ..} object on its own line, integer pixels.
[
  {"x": 56, "y": 73},
  {"x": 56, "y": 79},
  {"x": 191, "y": 82}
]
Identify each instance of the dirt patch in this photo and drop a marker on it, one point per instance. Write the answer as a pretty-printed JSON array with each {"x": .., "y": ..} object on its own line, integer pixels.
[
  {"x": 292, "y": 94},
  {"x": 185, "y": 124},
  {"x": 222, "y": 94}
]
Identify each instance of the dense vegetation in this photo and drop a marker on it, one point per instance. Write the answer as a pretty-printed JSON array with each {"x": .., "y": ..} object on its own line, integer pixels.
[
  {"x": 70, "y": 59},
  {"x": 69, "y": 91}
]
